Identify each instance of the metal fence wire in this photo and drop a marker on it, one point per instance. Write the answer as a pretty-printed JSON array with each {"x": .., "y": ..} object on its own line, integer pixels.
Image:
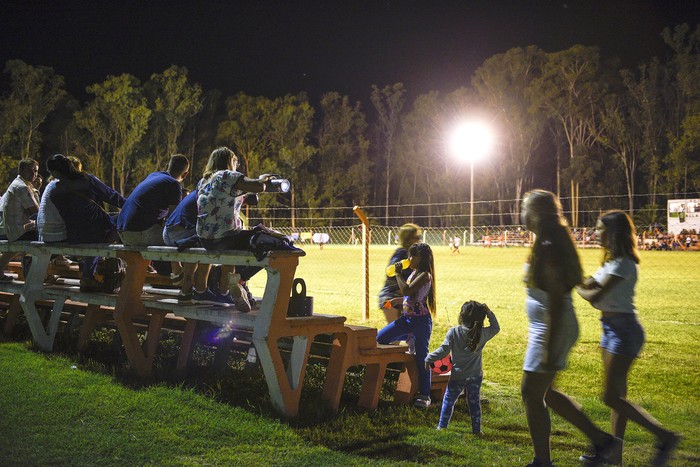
[
  {"x": 333, "y": 266},
  {"x": 650, "y": 236}
]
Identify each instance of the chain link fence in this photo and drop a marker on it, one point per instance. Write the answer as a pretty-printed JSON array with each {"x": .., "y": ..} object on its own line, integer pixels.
[{"x": 333, "y": 265}]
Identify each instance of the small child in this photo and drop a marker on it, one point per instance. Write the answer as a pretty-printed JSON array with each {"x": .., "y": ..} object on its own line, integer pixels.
[{"x": 466, "y": 342}]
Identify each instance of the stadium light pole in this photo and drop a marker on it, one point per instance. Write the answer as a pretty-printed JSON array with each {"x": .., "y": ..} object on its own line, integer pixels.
[{"x": 471, "y": 141}]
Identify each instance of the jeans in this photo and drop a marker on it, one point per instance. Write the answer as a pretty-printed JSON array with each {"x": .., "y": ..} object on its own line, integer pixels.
[
  {"x": 421, "y": 327},
  {"x": 472, "y": 386}
]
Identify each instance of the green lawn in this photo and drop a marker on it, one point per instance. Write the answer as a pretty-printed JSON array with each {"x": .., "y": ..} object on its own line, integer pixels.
[{"x": 95, "y": 413}]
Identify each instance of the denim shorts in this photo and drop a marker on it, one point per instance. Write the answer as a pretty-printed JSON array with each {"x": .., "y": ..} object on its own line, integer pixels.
[{"x": 622, "y": 334}]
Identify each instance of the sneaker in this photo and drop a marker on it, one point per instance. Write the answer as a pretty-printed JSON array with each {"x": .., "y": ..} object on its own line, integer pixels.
[
  {"x": 411, "y": 342},
  {"x": 5, "y": 279},
  {"x": 177, "y": 278},
  {"x": 240, "y": 298},
  {"x": 422, "y": 401},
  {"x": 184, "y": 297},
  {"x": 605, "y": 454},
  {"x": 61, "y": 261},
  {"x": 51, "y": 279},
  {"x": 665, "y": 449},
  {"x": 439, "y": 428},
  {"x": 239, "y": 302},
  {"x": 205, "y": 297},
  {"x": 251, "y": 300},
  {"x": 88, "y": 284}
]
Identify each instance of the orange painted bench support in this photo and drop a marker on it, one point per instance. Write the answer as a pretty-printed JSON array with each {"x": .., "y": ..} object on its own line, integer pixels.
[
  {"x": 358, "y": 346},
  {"x": 438, "y": 386}
]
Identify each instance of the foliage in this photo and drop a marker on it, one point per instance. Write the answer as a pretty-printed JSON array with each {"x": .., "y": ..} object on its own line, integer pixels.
[
  {"x": 388, "y": 102},
  {"x": 561, "y": 116},
  {"x": 568, "y": 91},
  {"x": 505, "y": 83},
  {"x": 35, "y": 91},
  {"x": 173, "y": 101},
  {"x": 116, "y": 119},
  {"x": 343, "y": 168}
]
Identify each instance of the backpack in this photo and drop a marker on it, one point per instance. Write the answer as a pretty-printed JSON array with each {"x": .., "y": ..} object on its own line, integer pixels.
[
  {"x": 265, "y": 240},
  {"x": 110, "y": 272}
]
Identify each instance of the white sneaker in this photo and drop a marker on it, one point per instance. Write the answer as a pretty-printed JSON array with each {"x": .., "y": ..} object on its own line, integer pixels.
[
  {"x": 422, "y": 402},
  {"x": 240, "y": 298}
]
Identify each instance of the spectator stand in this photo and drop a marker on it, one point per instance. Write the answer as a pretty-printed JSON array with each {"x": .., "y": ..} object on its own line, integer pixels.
[{"x": 138, "y": 305}]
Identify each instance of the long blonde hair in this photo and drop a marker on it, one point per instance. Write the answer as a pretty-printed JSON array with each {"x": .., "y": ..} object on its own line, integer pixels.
[
  {"x": 553, "y": 245},
  {"x": 220, "y": 159}
]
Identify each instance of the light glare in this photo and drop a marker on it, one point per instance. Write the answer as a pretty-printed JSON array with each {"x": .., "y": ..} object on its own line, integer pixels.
[{"x": 471, "y": 141}]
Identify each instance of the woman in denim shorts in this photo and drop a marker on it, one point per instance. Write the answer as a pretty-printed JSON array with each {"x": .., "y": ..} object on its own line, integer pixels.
[{"x": 611, "y": 290}]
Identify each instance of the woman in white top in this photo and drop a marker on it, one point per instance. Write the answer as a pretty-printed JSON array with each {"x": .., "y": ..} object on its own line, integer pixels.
[{"x": 611, "y": 290}]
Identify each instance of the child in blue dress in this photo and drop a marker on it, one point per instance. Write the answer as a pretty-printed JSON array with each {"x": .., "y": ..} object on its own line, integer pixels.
[
  {"x": 418, "y": 306},
  {"x": 466, "y": 343}
]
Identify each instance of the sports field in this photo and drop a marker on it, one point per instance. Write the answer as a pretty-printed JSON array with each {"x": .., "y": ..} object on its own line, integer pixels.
[{"x": 62, "y": 409}]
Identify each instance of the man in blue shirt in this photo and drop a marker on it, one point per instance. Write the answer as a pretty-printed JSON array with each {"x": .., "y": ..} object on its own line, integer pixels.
[{"x": 140, "y": 221}]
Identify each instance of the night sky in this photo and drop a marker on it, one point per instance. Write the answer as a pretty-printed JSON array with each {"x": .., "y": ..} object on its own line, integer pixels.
[{"x": 275, "y": 47}]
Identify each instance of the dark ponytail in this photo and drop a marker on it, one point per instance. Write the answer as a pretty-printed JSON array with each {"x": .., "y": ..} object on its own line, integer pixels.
[{"x": 472, "y": 317}]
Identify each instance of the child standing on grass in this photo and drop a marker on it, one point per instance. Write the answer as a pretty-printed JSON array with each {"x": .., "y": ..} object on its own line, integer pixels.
[
  {"x": 611, "y": 290},
  {"x": 418, "y": 305},
  {"x": 465, "y": 342}
]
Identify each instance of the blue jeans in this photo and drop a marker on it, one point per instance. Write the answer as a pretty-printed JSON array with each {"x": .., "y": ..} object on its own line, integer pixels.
[
  {"x": 421, "y": 327},
  {"x": 472, "y": 386}
]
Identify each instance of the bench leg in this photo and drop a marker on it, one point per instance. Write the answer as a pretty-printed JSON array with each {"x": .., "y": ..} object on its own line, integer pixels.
[
  {"x": 437, "y": 392},
  {"x": 407, "y": 386},
  {"x": 284, "y": 391},
  {"x": 32, "y": 292},
  {"x": 297, "y": 360},
  {"x": 222, "y": 353},
  {"x": 372, "y": 385},
  {"x": 43, "y": 336},
  {"x": 129, "y": 304},
  {"x": 335, "y": 373},
  {"x": 155, "y": 324},
  {"x": 185, "y": 354},
  {"x": 13, "y": 312},
  {"x": 94, "y": 315}
]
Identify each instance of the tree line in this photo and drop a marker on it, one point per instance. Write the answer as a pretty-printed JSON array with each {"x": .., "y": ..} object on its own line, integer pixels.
[{"x": 565, "y": 120}]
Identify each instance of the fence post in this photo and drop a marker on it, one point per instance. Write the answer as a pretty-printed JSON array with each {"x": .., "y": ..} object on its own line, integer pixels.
[{"x": 365, "y": 257}]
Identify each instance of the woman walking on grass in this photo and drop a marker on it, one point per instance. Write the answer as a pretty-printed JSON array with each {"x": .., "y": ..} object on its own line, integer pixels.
[
  {"x": 611, "y": 290},
  {"x": 417, "y": 307},
  {"x": 552, "y": 272}
]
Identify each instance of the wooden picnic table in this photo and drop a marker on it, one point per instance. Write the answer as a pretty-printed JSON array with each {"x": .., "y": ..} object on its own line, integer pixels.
[{"x": 269, "y": 323}]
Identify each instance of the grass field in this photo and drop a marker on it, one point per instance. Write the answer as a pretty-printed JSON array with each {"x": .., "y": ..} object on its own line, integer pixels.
[{"x": 52, "y": 413}]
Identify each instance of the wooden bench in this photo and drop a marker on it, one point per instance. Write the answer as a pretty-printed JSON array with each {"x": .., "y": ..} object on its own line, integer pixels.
[
  {"x": 268, "y": 324},
  {"x": 358, "y": 346},
  {"x": 438, "y": 386}
]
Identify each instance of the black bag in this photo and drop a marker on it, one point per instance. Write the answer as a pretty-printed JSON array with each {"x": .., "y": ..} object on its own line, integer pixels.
[
  {"x": 110, "y": 273},
  {"x": 265, "y": 240}
]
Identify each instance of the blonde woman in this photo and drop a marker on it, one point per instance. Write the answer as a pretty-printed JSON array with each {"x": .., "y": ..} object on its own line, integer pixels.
[{"x": 553, "y": 271}]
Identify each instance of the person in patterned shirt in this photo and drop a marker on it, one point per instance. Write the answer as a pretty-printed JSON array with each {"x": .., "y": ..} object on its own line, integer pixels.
[{"x": 220, "y": 195}]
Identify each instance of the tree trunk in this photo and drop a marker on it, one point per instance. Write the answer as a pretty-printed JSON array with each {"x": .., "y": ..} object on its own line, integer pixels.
[{"x": 386, "y": 197}]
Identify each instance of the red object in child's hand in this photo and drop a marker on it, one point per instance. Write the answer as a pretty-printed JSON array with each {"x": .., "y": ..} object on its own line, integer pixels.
[{"x": 442, "y": 366}]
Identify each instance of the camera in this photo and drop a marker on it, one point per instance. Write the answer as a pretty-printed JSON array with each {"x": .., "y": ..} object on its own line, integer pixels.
[{"x": 277, "y": 185}]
